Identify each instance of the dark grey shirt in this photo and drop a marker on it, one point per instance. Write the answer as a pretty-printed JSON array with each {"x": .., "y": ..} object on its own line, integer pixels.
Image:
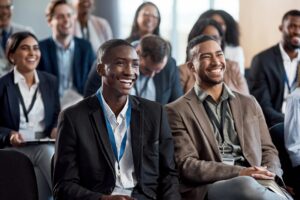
[{"x": 229, "y": 144}]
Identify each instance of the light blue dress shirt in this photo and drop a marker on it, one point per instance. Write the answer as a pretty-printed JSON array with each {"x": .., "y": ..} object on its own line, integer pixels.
[
  {"x": 65, "y": 57},
  {"x": 292, "y": 126}
]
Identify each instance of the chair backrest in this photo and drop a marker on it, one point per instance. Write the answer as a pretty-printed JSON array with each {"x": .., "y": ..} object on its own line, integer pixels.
[{"x": 17, "y": 177}]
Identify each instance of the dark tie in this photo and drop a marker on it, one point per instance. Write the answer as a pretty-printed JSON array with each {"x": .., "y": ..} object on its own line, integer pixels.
[{"x": 4, "y": 38}]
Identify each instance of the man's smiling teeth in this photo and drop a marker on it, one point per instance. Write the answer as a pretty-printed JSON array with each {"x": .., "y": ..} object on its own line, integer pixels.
[
  {"x": 216, "y": 70},
  {"x": 126, "y": 81}
]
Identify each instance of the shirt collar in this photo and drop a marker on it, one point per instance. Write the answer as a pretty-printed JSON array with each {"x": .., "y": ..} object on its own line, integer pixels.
[
  {"x": 7, "y": 29},
  {"x": 108, "y": 110},
  {"x": 202, "y": 94},
  {"x": 60, "y": 46},
  {"x": 19, "y": 78},
  {"x": 284, "y": 55}
]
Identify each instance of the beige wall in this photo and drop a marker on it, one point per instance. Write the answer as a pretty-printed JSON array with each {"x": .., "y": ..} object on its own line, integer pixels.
[{"x": 259, "y": 21}]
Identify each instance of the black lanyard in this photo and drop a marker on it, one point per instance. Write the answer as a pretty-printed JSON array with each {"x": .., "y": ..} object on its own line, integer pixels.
[
  {"x": 139, "y": 93},
  {"x": 26, "y": 112},
  {"x": 286, "y": 80},
  {"x": 220, "y": 125}
]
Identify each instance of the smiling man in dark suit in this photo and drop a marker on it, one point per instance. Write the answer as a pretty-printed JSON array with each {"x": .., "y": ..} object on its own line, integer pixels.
[
  {"x": 273, "y": 71},
  {"x": 159, "y": 76},
  {"x": 112, "y": 145}
]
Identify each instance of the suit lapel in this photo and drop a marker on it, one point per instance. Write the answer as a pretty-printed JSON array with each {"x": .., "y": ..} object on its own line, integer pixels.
[
  {"x": 157, "y": 79},
  {"x": 53, "y": 57},
  {"x": 279, "y": 69},
  {"x": 136, "y": 130},
  {"x": 13, "y": 101},
  {"x": 76, "y": 66},
  {"x": 198, "y": 110},
  {"x": 236, "y": 110},
  {"x": 101, "y": 133}
]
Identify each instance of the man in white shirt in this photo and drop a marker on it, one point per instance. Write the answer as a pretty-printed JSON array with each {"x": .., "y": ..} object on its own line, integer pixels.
[
  {"x": 272, "y": 78},
  {"x": 113, "y": 146}
]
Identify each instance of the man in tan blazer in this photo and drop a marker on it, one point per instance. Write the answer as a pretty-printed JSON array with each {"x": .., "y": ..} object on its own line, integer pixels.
[{"x": 222, "y": 145}]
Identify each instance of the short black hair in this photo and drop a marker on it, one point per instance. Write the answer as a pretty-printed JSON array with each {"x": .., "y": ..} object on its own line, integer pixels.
[
  {"x": 155, "y": 47},
  {"x": 197, "y": 40},
  {"x": 107, "y": 46},
  {"x": 15, "y": 40},
  {"x": 200, "y": 26},
  {"x": 295, "y": 13}
]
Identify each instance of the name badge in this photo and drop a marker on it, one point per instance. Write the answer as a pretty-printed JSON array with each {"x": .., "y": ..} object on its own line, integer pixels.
[
  {"x": 228, "y": 161},
  {"x": 27, "y": 132}
]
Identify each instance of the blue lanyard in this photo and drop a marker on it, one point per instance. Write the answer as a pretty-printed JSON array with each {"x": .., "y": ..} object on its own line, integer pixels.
[{"x": 111, "y": 133}]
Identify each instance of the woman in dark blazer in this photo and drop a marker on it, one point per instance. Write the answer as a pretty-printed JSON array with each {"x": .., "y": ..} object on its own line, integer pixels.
[{"x": 29, "y": 104}]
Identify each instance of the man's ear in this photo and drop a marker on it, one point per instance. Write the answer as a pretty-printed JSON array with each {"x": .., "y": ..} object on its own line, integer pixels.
[
  {"x": 191, "y": 66},
  {"x": 138, "y": 50},
  {"x": 101, "y": 69}
]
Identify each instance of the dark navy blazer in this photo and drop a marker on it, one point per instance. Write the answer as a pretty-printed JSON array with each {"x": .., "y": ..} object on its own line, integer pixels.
[
  {"x": 9, "y": 104},
  {"x": 266, "y": 83},
  {"x": 83, "y": 60}
]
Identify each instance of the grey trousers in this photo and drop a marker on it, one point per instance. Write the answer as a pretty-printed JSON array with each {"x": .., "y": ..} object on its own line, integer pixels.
[
  {"x": 241, "y": 187},
  {"x": 40, "y": 156}
]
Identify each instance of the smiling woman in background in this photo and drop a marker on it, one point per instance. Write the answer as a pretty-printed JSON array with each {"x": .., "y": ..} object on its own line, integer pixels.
[
  {"x": 146, "y": 21},
  {"x": 29, "y": 105}
]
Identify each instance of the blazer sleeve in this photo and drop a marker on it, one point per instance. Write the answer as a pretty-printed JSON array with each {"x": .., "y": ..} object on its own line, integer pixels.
[
  {"x": 4, "y": 130},
  {"x": 168, "y": 183},
  {"x": 193, "y": 168},
  {"x": 66, "y": 180},
  {"x": 260, "y": 90},
  {"x": 175, "y": 82},
  {"x": 56, "y": 102},
  {"x": 93, "y": 82}
]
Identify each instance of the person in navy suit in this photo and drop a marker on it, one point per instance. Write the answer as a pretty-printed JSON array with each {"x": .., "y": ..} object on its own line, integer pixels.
[
  {"x": 159, "y": 76},
  {"x": 272, "y": 77},
  {"x": 29, "y": 104},
  {"x": 67, "y": 57},
  {"x": 114, "y": 146}
]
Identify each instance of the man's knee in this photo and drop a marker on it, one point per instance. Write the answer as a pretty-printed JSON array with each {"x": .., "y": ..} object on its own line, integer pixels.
[{"x": 241, "y": 187}]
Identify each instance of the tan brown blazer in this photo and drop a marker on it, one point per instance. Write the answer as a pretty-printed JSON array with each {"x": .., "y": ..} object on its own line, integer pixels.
[{"x": 196, "y": 150}]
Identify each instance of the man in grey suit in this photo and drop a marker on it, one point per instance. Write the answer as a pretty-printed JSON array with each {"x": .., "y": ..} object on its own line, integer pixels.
[{"x": 222, "y": 145}]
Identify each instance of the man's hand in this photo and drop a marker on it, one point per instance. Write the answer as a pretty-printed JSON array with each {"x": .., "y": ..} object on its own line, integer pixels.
[
  {"x": 257, "y": 173},
  {"x": 15, "y": 139},
  {"x": 116, "y": 197}
]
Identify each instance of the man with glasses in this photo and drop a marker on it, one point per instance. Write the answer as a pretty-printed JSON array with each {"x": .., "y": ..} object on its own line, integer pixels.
[{"x": 7, "y": 28}]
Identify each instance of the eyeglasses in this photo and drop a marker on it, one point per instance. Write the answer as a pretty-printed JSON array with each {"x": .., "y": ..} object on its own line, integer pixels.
[{"x": 6, "y": 7}]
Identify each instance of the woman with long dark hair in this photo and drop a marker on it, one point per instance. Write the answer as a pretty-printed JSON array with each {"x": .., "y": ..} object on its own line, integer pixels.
[
  {"x": 146, "y": 21},
  {"x": 233, "y": 50},
  {"x": 29, "y": 104}
]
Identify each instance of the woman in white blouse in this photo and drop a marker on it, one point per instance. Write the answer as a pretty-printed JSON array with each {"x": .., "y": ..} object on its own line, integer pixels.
[{"x": 29, "y": 105}]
